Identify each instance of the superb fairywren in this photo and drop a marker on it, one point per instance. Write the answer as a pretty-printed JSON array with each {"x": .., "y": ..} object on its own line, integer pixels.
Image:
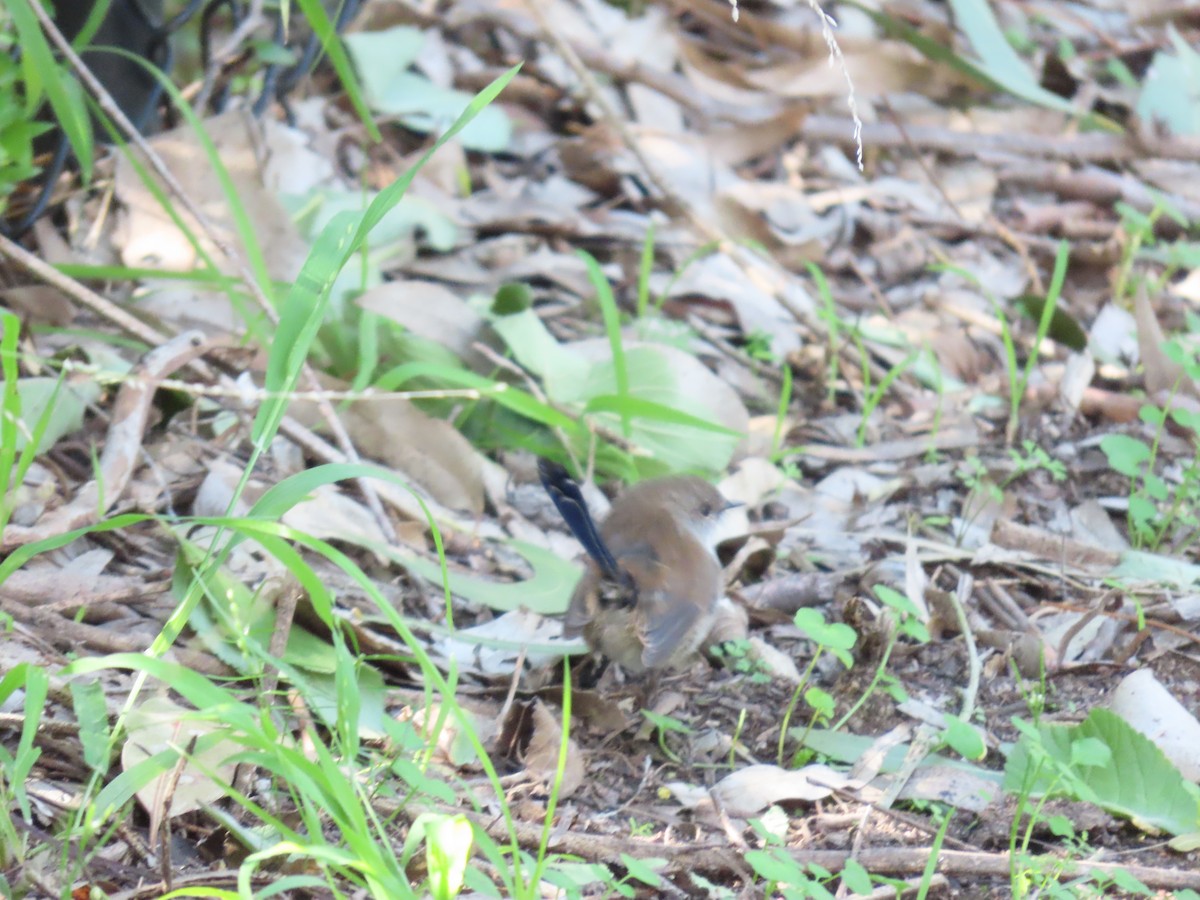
[{"x": 649, "y": 596}]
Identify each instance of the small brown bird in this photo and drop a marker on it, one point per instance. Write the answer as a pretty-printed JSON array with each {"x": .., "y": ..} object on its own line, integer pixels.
[{"x": 648, "y": 598}]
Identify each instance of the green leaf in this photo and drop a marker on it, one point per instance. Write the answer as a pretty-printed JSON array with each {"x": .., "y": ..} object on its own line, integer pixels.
[
  {"x": 772, "y": 865},
  {"x": 834, "y": 635},
  {"x": 547, "y": 592},
  {"x": 1126, "y": 454},
  {"x": 965, "y": 740},
  {"x": 303, "y": 310},
  {"x": 1170, "y": 94},
  {"x": 536, "y": 349},
  {"x": 643, "y": 870},
  {"x": 649, "y": 411},
  {"x": 62, "y": 404},
  {"x": 1130, "y": 778},
  {"x": 382, "y": 59},
  {"x": 856, "y": 878},
  {"x": 447, "y": 850},
  {"x": 44, "y": 74},
  {"x": 91, "y": 713},
  {"x": 665, "y": 723}
]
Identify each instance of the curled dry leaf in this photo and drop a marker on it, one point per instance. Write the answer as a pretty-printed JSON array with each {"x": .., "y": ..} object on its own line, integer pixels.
[
  {"x": 774, "y": 662},
  {"x": 1162, "y": 373},
  {"x": 731, "y": 623},
  {"x": 532, "y": 735},
  {"x": 751, "y": 790},
  {"x": 1142, "y": 701}
]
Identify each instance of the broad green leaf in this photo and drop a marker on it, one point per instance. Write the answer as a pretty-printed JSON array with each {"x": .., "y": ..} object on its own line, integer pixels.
[
  {"x": 64, "y": 404},
  {"x": 1135, "y": 780},
  {"x": 1170, "y": 94},
  {"x": 547, "y": 592},
  {"x": 537, "y": 350}
]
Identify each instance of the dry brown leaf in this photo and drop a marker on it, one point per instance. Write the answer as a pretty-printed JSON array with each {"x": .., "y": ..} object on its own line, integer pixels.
[
  {"x": 147, "y": 237},
  {"x": 1162, "y": 374},
  {"x": 433, "y": 312},
  {"x": 158, "y": 724},
  {"x": 532, "y": 737},
  {"x": 884, "y": 68},
  {"x": 429, "y": 451}
]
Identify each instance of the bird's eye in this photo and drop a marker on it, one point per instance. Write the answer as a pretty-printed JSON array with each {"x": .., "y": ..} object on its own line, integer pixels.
[{"x": 706, "y": 509}]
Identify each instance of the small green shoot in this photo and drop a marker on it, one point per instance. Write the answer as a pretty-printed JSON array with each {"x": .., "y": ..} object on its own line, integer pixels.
[
  {"x": 832, "y": 637},
  {"x": 758, "y": 346},
  {"x": 664, "y": 725},
  {"x": 1160, "y": 512},
  {"x": 735, "y": 655},
  {"x": 785, "y": 400},
  {"x": 907, "y": 623},
  {"x": 874, "y": 395}
]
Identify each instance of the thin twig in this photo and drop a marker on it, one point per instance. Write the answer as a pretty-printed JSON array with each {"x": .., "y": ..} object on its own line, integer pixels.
[{"x": 959, "y": 600}]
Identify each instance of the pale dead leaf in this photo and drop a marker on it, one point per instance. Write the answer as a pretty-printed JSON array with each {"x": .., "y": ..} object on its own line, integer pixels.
[
  {"x": 778, "y": 217},
  {"x": 774, "y": 661},
  {"x": 433, "y": 312},
  {"x": 150, "y": 237},
  {"x": 147, "y": 237},
  {"x": 331, "y": 515},
  {"x": 1189, "y": 287},
  {"x": 1113, "y": 336},
  {"x": 878, "y": 69},
  {"x": 730, "y": 624},
  {"x": 752, "y": 481},
  {"x": 959, "y": 787},
  {"x": 291, "y": 164},
  {"x": 1077, "y": 376},
  {"x": 755, "y": 304},
  {"x": 1161, "y": 373},
  {"x": 1092, "y": 525},
  {"x": 491, "y": 649},
  {"x": 453, "y": 745},
  {"x": 158, "y": 725},
  {"x": 430, "y": 452},
  {"x": 737, "y": 145},
  {"x": 216, "y": 491},
  {"x": 1091, "y": 638},
  {"x": 543, "y": 748},
  {"x": 1142, "y": 701},
  {"x": 751, "y": 790}
]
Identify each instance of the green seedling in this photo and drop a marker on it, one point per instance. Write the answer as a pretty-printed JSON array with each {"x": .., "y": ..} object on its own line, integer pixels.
[{"x": 836, "y": 638}]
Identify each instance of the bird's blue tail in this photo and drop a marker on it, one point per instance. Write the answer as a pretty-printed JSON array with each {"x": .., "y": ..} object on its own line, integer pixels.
[{"x": 567, "y": 497}]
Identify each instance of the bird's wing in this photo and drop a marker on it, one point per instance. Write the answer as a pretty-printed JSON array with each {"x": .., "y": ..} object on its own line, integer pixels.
[{"x": 665, "y": 626}]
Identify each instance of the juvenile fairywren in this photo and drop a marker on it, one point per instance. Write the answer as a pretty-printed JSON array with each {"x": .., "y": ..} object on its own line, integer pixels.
[{"x": 648, "y": 598}]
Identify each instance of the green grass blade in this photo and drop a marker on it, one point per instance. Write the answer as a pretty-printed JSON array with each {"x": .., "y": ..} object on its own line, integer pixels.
[{"x": 43, "y": 74}]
